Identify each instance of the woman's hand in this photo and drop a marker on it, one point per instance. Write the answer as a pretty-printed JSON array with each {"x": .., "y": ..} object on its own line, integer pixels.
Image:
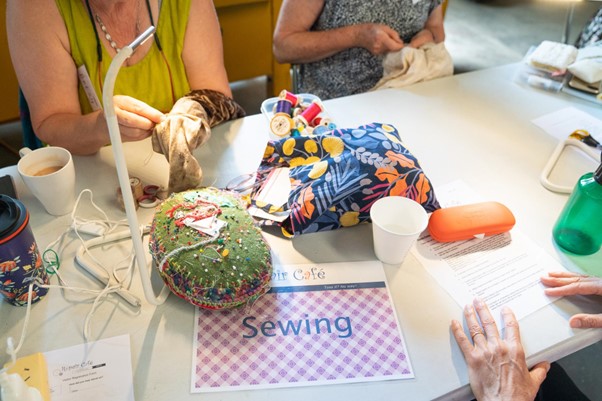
[
  {"x": 136, "y": 118},
  {"x": 421, "y": 38},
  {"x": 378, "y": 38},
  {"x": 567, "y": 283},
  {"x": 497, "y": 368}
]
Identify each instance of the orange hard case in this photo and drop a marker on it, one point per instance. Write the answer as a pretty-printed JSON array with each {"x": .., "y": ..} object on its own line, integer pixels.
[{"x": 458, "y": 223}]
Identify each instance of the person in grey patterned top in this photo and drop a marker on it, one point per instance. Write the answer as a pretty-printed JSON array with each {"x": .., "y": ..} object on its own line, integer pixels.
[{"x": 339, "y": 44}]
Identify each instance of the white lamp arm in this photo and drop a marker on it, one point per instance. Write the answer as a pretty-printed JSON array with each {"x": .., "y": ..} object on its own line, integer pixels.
[{"x": 122, "y": 172}]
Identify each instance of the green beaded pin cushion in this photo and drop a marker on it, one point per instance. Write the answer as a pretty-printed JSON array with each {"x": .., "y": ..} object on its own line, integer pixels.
[{"x": 208, "y": 249}]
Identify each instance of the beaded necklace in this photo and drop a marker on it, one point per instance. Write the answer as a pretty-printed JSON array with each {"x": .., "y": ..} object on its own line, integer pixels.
[
  {"x": 114, "y": 45},
  {"x": 108, "y": 36},
  {"x": 98, "y": 44}
]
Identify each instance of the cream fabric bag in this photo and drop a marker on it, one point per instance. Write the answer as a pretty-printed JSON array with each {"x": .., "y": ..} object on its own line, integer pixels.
[{"x": 410, "y": 65}]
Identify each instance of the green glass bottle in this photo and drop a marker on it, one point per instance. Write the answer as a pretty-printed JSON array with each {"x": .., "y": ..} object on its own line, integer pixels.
[{"x": 579, "y": 226}]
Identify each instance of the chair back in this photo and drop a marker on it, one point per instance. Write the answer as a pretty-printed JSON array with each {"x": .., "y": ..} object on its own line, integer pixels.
[{"x": 30, "y": 139}]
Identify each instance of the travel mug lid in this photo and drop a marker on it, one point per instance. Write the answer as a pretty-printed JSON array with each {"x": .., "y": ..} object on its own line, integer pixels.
[{"x": 12, "y": 216}]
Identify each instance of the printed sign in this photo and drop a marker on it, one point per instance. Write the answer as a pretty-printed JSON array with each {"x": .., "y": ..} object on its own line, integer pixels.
[{"x": 319, "y": 324}]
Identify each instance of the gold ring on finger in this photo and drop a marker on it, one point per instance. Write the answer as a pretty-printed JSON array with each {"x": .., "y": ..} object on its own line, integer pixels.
[{"x": 476, "y": 333}]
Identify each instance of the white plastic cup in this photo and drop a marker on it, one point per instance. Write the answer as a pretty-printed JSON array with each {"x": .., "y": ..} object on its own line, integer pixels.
[
  {"x": 49, "y": 174},
  {"x": 396, "y": 224}
]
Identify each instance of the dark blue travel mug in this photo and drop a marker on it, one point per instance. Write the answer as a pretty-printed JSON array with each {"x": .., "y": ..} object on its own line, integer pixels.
[{"x": 20, "y": 260}]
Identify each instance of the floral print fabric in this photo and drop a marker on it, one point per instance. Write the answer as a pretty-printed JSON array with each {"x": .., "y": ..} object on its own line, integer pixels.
[{"x": 336, "y": 177}]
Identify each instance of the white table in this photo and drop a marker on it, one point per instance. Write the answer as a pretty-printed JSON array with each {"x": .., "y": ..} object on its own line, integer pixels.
[{"x": 474, "y": 127}]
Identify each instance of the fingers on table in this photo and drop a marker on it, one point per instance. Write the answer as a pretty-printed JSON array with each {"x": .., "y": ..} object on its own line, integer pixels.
[
  {"x": 584, "y": 321},
  {"x": 556, "y": 281},
  {"x": 559, "y": 279},
  {"x": 511, "y": 325},
  {"x": 463, "y": 342},
  {"x": 474, "y": 326},
  {"x": 580, "y": 285},
  {"x": 564, "y": 274},
  {"x": 487, "y": 320}
]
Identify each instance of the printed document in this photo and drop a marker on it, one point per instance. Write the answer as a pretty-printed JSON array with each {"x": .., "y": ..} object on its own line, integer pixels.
[
  {"x": 95, "y": 371},
  {"x": 503, "y": 269}
]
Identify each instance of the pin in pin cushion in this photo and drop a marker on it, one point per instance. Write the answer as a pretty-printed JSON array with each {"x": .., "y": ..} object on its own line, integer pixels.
[{"x": 208, "y": 249}]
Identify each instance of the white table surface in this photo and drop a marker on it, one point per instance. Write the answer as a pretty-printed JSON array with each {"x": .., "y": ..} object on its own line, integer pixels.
[{"x": 475, "y": 127}]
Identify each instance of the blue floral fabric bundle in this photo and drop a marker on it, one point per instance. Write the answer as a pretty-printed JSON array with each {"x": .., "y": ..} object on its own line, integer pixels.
[{"x": 336, "y": 177}]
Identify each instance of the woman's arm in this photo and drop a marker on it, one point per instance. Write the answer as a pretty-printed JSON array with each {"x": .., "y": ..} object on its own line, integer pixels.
[
  {"x": 40, "y": 51},
  {"x": 203, "y": 52},
  {"x": 433, "y": 29},
  {"x": 295, "y": 43},
  {"x": 48, "y": 78}
]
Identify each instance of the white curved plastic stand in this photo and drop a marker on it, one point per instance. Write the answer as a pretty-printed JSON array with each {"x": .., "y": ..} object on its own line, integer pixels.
[
  {"x": 545, "y": 174},
  {"x": 122, "y": 172}
]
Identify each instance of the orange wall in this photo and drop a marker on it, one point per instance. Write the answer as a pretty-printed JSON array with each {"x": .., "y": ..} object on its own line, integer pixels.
[{"x": 9, "y": 100}]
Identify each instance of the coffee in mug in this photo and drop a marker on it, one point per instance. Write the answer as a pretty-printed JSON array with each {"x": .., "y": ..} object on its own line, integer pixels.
[
  {"x": 47, "y": 170},
  {"x": 20, "y": 260},
  {"x": 49, "y": 174}
]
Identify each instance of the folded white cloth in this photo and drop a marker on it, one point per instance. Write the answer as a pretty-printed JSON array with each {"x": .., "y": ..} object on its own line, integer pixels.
[
  {"x": 553, "y": 56},
  {"x": 410, "y": 65},
  {"x": 588, "y": 66}
]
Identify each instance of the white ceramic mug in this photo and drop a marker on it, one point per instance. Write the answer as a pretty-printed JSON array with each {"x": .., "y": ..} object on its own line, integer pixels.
[
  {"x": 49, "y": 174},
  {"x": 396, "y": 224}
]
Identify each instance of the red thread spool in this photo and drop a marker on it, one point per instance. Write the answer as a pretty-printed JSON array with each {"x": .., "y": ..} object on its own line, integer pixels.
[
  {"x": 311, "y": 112},
  {"x": 286, "y": 95},
  {"x": 319, "y": 121}
]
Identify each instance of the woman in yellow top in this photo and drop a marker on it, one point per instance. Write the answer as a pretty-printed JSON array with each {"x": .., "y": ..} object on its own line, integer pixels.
[{"x": 61, "y": 47}]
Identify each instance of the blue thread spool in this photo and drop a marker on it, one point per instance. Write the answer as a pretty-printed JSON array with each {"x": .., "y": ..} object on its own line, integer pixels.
[
  {"x": 284, "y": 106},
  {"x": 320, "y": 130}
]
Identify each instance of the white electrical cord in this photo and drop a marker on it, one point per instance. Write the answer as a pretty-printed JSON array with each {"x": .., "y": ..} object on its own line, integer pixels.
[
  {"x": 117, "y": 285},
  {"x": 105, "y": 226}
]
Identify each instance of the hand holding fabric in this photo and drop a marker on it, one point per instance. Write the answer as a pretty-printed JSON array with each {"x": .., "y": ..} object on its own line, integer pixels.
[
  {"x": 497, "y": 368},
  {"x": 411, "y": 65},
  {"x": 186, "y": 127}
]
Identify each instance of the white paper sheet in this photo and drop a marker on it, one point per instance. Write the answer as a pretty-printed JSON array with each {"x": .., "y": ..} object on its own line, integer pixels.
[
  {"x": 563, "y": 122},
  {"x": 275, "y": 191},
  {"x": 95, "y": 371},
  {"x": 503, "y": 270}
]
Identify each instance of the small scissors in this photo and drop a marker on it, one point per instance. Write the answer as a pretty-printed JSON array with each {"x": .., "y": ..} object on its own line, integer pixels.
[{"x": 244, "y": 182}]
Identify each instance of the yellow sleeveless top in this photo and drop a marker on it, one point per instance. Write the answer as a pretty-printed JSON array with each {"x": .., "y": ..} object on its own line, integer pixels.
[{"x": 148, "y": 80}]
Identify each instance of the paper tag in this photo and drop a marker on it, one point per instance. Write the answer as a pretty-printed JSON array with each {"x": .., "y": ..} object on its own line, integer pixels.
[
  {"x": 274, "y": 191},
  {"x": 84, "y": 80},
  {"x": 210, "y": 226}
]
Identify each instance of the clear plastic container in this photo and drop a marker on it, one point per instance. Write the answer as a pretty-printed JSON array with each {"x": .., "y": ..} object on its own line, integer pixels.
[{"x": 267, "y": 106}]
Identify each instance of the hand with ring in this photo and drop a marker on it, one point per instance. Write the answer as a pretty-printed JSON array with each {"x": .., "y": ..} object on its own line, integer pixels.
[{"x": 497, "y": 368}]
